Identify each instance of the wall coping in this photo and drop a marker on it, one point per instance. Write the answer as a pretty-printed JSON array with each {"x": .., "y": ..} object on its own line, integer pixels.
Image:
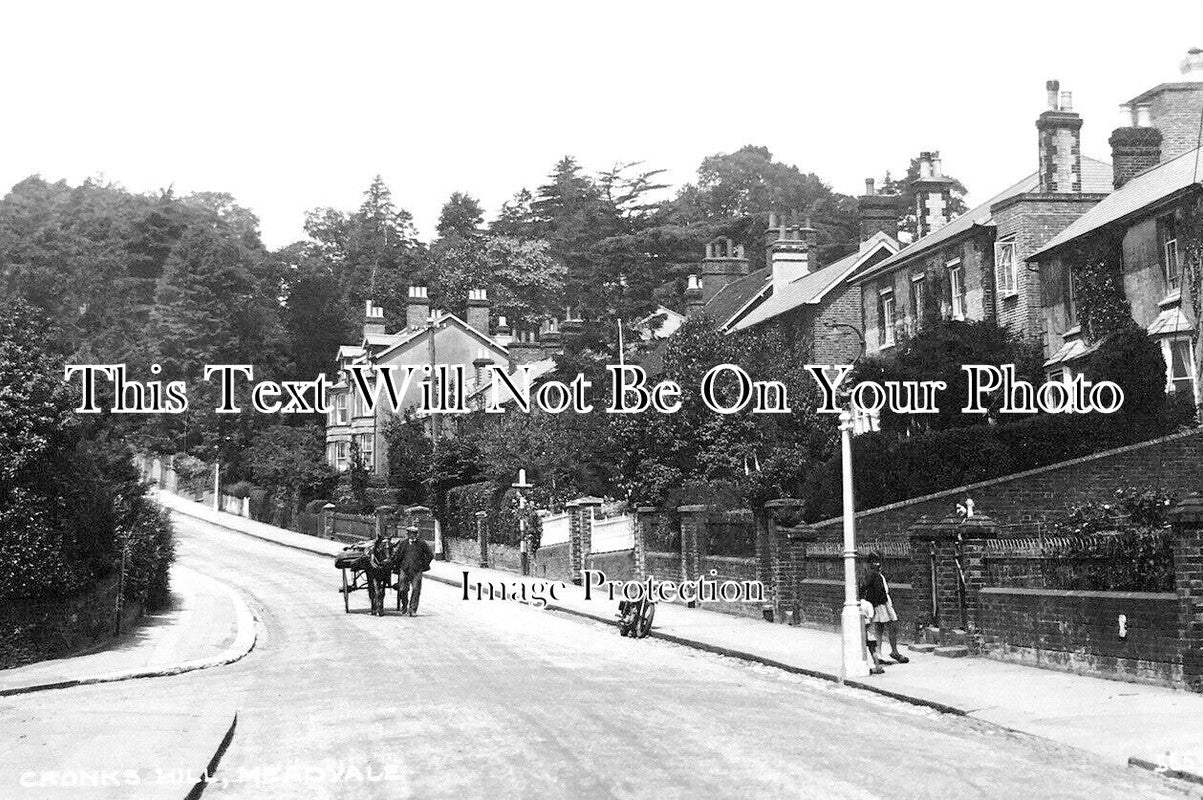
[
  {"x": 662, "y": 553},
  {"x": 840, "y": 583},
  {"x": 732, "y": 559},
  {"x": 1088, "y": 593},
  {"x": 961, "y": 490}
]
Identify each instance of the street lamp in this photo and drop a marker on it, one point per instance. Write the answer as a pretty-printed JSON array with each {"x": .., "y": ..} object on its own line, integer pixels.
[
  {"x": 853, "y": 663},
  {"x": 524, "y": 546}
]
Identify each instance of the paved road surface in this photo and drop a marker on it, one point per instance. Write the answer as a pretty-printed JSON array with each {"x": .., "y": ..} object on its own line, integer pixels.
[{"x": 474, "y": 699}]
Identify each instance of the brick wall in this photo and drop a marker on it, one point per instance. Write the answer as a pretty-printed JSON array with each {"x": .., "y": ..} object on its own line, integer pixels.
[
  {"x": 1172, "y": 463},
  {"x": 462, "y": 551},
  {"x": 823, "y": 601},
  {"x": 837, "y": 345},
  {"x": 504, "y": 557},
  {"x": 728, "y": 568},
  {"x": 664, "y": 566},
  {"x": 552, "y": 562},
  {"x": 1078, "y": 631},
  {"x": 1174, "y": 110},
  {"x": 1030, "y": 220},
  {"x": 618, "y": 566}
]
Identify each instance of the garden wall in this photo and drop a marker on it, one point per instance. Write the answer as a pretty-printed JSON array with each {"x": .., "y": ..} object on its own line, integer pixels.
[
  {"x": 1079, "y": 631},
  {"x": 1171, "y": 463}
]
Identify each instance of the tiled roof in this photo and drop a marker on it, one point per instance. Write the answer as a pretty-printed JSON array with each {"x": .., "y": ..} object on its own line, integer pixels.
[
  {"x": 1143, "y": 190},
  {"x": 1096, "y": 179},
  {"x": 812, "y": 287},
  {"x": 731, "y": 299}
]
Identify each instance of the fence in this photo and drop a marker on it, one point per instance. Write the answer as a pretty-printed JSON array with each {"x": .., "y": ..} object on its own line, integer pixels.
[
  {"x": 1120, "y": 562},
  {"x": 556, "y": 529},
  {"x": 612, "y": 534}
]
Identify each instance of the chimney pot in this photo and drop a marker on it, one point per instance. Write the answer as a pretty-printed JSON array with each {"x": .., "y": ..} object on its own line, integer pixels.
[
  {"x": 870, "y": 188},
  {"x": 1067, "y": 101},
  {"x": 1143, "y": 116},
  {"x": 1127, "y": 117},
  {"x": 1052, "y": 87},
  {"x": 1192, "y": 66}
]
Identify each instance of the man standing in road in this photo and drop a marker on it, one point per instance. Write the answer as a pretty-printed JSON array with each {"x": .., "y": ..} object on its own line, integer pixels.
[
  {"x": 877, "y": 592},
  {"x": 415, "y": 559}
]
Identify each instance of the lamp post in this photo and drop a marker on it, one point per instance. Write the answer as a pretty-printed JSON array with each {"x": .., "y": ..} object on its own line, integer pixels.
[
  {"x": 853, "y": 664},
  {"x": 519, "y": 485}
]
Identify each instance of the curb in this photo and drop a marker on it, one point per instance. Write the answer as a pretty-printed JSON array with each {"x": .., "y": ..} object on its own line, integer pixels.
[
  {"x": 1164, "y": 771},
  {"x": 243, "y": 643}
]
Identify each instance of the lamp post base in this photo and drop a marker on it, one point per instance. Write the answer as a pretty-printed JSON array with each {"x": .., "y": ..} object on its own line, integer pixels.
[{"x": 852, "y": 626}]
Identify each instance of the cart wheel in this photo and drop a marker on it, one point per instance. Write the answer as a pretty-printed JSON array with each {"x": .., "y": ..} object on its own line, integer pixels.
[
  {"x": 346, "y": 594},
  {"x": 644, "y": 626}
]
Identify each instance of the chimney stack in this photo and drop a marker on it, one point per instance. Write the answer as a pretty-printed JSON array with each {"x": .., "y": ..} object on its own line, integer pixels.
[
  {"x": 373, "y": 319},
  {"x": 1060, "y": 138},
  {"x": 1172, "y": 109},
  {"x": 789, "y": 254},
  {"x": 1135, "y": 145},
  {"x": 417, "y": 308},
  {"x": 504, "y": 333},
  {"x": 694, "y": 302},
  {"x": 478, "y": 310},
  {"x": 933, "y": 194},
  {"x": 725, "y": 262},
  {"x": 877, "y": 213}
]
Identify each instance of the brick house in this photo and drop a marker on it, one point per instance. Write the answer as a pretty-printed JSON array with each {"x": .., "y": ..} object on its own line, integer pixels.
[
  {"x": 1141, "y": 228},
  {"x": 814, "y": 306},
  {"x": 439, "y": 338},
  {"x": 971, "y": 267}
]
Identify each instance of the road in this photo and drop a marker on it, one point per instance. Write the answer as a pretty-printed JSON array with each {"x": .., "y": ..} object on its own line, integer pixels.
[{"x": 494, "y": 699}]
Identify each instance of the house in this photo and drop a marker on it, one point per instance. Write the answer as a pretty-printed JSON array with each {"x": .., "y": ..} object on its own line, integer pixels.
[
  {"x": 971, "y": 267},
  {"x": 1141, "y": 233},
  {"x": 814, "y": 306},
  {"x": 427, "y": 338}
]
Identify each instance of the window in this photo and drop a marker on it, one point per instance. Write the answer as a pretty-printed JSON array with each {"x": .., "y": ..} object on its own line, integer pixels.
[
  {"x": 918, "y": 299},
  {"x": 340, "y": 456},
  {"x": 367, "y": 451},
  {"x": 1071, "y": 298},
  {"x": 956, "y": 286},
  {"x": 1058, "y": 375},
  {"x": 1006, "y": 265},
  {"x": 340, "y": 409},
  {"x": 864, "y": 421},
  {"x": 1180, "y": 366},
  {"x": 1167, "y": 234},
  {"x": 885, "y": 315}
]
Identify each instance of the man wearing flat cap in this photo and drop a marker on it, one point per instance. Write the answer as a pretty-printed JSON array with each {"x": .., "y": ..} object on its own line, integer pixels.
[{"x": 415, "y": 558}]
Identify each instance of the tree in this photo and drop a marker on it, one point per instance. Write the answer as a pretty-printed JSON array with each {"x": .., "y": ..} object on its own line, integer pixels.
[
  {"x": 461, "y": 216},
  {"x": 937, "y": 353},
  {"x": 291, "y": 461},
  {"x": 409, "y": 458}
]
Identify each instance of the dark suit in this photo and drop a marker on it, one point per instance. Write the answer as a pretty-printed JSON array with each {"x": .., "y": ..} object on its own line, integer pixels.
[{"x": 414, "y": 558}]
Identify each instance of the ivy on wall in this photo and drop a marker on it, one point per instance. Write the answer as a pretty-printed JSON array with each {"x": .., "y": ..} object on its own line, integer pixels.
[{"x": 1102, "y": 305}]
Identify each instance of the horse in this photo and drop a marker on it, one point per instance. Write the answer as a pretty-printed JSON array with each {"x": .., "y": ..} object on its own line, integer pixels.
[{"x": 382, "y": 562}]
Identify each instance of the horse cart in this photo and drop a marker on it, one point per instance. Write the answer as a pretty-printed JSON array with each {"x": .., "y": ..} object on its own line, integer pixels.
[{"x": 360, "y": 561}]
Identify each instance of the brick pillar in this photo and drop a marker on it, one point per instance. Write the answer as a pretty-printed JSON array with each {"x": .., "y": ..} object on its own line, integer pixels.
[
  {"x": 580, "y": 533},
  {"x": 328, "y": 520},
  {"x": 646, "y": 518},
  {"x": 482, "y": 536},
  {"x": 950, "y": 539},
  {"x": 1187, "y": 519},
  {"x": 787, "y": 540},
  {"x": 423, "y": 517},
  {"x": 694, "y": 522},
  {"x": 384, "y": 520}
]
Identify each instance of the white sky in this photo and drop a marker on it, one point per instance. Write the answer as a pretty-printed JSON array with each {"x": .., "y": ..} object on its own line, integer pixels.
[{"x": 293, "y": 106}]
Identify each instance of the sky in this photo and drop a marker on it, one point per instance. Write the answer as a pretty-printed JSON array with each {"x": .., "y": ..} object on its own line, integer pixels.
[{"x": 295, "y": 106}]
